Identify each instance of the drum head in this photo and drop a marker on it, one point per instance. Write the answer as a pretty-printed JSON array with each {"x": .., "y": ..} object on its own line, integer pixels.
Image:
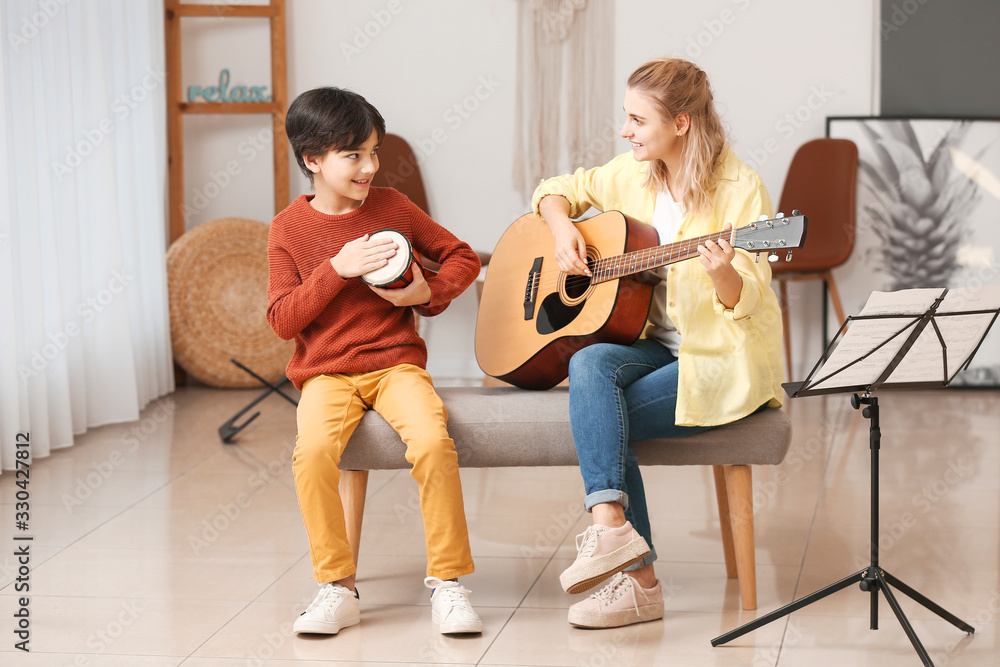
[{"x": 397, "y": 265}]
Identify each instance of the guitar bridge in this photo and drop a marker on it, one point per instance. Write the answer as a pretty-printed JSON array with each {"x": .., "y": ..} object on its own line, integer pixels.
[{"x": 531, "y": 289}]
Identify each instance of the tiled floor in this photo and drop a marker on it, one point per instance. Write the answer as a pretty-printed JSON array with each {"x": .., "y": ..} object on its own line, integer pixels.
[{"x": 155, "y": 545}]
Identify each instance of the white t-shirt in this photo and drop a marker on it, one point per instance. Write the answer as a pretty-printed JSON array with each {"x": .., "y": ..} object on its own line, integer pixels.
[{"x": 667, "y": 218}]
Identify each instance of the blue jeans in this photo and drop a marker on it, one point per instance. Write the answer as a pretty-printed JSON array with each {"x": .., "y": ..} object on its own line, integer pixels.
[{"x": 620, "y": 393}]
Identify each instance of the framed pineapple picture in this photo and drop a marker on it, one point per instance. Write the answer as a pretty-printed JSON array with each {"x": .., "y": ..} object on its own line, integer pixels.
[{"x": 928, "y": 213}]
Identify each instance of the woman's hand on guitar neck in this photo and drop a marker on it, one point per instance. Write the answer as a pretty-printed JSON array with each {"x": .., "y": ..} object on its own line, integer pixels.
[
  {"x": 570, "y": 248},
  {"x": 717, "y": 258}
]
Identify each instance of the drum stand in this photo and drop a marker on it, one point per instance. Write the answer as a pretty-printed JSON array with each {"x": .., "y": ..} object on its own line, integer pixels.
[{"x": 228, "y": 430}]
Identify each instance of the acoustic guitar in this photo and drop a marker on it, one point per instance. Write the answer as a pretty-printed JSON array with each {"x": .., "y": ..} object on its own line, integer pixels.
[{"x": 533, "y": 317}]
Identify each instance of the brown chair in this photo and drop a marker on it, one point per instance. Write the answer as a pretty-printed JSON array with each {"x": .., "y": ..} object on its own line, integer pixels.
[
  {"x": 821, "y": 183},
  {"x": 399, "y": 169}
]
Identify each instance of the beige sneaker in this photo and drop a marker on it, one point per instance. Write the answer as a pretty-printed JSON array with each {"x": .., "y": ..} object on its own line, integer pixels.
[
  {"x": 602, "y": 551},
  {"x": 622, "y": 602}
]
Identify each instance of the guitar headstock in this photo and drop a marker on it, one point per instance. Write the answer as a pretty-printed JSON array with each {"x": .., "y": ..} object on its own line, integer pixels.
[{"x": 780, "y": 233}]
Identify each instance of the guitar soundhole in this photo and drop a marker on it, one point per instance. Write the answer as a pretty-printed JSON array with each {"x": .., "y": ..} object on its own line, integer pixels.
[
  {"x": 560, "y": 308},
  {"x": 576, "y": 287}
]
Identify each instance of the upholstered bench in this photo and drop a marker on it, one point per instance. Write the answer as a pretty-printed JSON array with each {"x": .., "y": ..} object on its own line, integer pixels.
[{"x": 496, "y": 427}]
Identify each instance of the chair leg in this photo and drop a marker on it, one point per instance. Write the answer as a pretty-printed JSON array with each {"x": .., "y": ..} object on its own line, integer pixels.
[
  {"x": 722, "y": 497},
  {"x": 786, "y": 327},
  {"x": 834, "y": 297},
  {"x": 353, "y": 486},
  {"x": 739, "y": 487}
]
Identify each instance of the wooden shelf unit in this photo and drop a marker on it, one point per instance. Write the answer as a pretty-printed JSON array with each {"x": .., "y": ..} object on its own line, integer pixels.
[{"x": 177, "y": 107}]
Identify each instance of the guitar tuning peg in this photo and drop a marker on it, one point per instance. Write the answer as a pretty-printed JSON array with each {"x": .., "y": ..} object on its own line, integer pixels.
[
  {"x": 780, "y": 215},
  {"x": 762, "y": 218},
  {"x": 788, "y": 257},
  {"x": 796, "y": 211},
  {"x": 756, "y": 257},
  {"x": 772, "y": 257}
]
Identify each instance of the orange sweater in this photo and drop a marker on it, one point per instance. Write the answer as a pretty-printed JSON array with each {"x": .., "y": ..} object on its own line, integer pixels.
[{"x": 340, "y": 325}]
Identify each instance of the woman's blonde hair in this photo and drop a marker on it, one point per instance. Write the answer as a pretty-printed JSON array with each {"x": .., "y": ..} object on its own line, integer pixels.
[{"x": 676, "y": 87}]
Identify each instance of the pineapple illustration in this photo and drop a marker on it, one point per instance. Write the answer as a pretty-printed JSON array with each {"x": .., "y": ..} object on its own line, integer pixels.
[{"x": 921, "y": 205}]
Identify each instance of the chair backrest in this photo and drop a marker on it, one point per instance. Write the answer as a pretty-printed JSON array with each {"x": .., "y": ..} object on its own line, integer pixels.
[
  {"x": 821, "y": 183},
  {"x": 398, "y": 168}
]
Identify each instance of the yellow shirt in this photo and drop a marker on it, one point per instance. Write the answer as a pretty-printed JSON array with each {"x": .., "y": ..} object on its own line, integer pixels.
[{"x": 730, "y": 359}]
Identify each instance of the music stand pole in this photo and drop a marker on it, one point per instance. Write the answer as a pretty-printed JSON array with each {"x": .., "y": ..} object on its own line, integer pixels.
[{"x": 872, "y": 579}]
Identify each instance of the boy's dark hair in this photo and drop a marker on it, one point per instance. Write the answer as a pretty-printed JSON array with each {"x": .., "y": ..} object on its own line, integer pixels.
[{"x": 324, "y": 119}]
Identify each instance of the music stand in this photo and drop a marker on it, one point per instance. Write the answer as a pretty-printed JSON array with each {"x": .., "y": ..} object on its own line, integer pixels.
[{"x": 919, "y": 338}]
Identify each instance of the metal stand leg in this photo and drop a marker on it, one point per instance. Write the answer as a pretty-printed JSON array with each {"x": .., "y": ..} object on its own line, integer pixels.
[
  {"x": 789, "y": 608},
  {"x": 903, "y": 621},
  {"x": 937, "y": 609},
  {"x": 228, "y": 430}
]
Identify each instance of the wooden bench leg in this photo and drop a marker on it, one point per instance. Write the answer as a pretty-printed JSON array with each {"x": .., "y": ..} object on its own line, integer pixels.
[
  {"x": 739, "y": 488},
  {"x": 353, "y": 486},
  {"x": 722, "y": 496}
]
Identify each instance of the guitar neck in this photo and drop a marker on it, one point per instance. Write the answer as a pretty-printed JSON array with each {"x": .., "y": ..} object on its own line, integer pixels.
[{"x": 637, "y": 261}]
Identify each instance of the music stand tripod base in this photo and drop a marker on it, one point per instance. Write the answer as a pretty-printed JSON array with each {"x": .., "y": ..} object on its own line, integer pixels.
[
  {"x": 951, "y": 325},
  {"x": 873, "y": 578}
]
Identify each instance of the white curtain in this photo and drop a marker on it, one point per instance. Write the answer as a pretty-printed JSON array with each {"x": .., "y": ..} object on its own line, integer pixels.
[{"x": 84, "y": 322}]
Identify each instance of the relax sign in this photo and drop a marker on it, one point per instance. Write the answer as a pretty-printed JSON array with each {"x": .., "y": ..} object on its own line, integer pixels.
[{"x": 222, "y": 92}]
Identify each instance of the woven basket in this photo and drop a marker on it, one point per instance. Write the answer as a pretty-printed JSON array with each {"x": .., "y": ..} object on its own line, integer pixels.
[{"x": 217, "y": 284}]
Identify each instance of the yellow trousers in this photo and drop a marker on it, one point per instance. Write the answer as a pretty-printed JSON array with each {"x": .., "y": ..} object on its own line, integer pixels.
[{"x": 329, "y": 410}]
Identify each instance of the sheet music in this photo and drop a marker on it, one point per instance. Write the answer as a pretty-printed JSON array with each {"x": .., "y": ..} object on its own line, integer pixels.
[
  {"x": 858, "y": 359},
  {"x": 904, "y": 302}
]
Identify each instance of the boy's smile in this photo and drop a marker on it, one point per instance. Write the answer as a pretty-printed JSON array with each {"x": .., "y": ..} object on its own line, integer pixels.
[{"x": 342, "y": 178}]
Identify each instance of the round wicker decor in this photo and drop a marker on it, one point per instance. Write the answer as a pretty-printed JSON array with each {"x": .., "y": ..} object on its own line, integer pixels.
[{"x": 217, "y": 284}]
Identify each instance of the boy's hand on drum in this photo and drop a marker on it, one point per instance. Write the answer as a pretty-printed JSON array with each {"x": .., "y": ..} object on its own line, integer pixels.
[
  {"x": 361, "y": 255},
  {"x": 416, "y": 293}
]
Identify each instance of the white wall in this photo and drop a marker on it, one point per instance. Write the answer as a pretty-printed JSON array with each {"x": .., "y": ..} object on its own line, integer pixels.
[{"x": 778, "y": 68}]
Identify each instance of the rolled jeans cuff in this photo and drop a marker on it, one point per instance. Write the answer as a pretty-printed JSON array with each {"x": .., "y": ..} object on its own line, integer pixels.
[
  {"x": 646, "y": 560},
  {"x": 605, "y": 496}
]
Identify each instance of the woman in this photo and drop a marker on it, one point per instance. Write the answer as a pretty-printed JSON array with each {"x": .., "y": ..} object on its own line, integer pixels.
[{"x": 711, "y": 352}]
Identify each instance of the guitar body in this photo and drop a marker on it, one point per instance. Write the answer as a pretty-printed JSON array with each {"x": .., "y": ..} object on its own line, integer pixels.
[{"x": 533, "y": 317}]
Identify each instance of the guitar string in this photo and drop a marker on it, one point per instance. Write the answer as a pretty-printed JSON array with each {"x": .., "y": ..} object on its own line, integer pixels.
[
  {"x": 605, "y": 272},
  {"x": 630, "y": 263},
  {"x": 648, "y": 258},
  {"x": 618, "y": 266}
]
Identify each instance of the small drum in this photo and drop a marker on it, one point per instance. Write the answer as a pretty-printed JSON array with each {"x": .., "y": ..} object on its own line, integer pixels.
[{"x": 398, "y": 272}]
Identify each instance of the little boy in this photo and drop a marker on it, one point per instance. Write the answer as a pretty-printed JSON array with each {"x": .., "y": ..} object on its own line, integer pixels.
[{"x": 357, "y": 348}]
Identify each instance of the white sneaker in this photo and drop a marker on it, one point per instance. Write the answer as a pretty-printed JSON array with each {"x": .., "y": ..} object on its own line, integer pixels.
[
  {"x": 450, "y": 607},
  {"x": 334, "y": 609}
]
